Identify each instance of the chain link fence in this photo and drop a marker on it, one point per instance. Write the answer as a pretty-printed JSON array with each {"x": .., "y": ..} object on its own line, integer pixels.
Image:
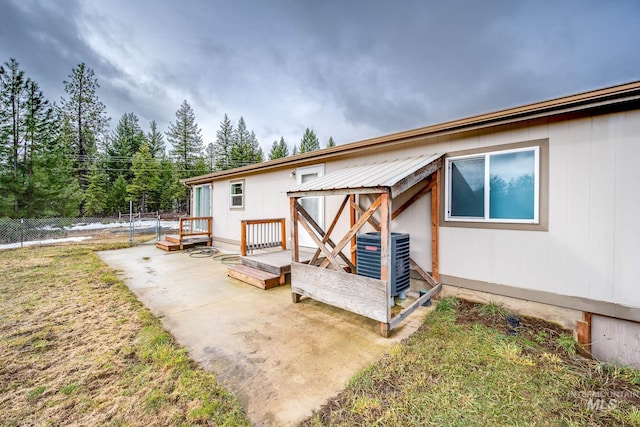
[{"x": 27, "y": 231}]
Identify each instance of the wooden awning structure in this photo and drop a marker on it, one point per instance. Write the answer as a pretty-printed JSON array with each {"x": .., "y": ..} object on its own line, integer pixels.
[{"x": 330, "y": 275}]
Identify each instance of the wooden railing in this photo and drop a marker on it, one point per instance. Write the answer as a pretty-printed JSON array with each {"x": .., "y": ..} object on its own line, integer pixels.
[
  {"x": 262, "y": 234},
  {"x": 195, "y": 226}
]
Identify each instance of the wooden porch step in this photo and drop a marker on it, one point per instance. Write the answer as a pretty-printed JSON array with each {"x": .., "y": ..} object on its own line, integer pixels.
[
  {"x": 173, "y": 238},
  {"x": 253, "y": 276},
  {"x": 167, "y": 245}
]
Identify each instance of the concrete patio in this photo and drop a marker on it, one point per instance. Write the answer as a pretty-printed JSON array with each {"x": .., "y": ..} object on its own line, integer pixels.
[{"x": 281, "y": 359}]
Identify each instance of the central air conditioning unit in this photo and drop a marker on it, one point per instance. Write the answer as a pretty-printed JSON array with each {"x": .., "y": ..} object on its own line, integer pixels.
[{"x": 368, "y": 262}]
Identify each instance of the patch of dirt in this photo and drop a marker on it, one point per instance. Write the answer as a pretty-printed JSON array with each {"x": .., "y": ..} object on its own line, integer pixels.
[{"x": 541, "y": 332}]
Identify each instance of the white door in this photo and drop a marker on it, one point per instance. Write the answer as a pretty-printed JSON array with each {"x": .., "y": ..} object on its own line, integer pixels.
[{"x": 313, "y": 205}]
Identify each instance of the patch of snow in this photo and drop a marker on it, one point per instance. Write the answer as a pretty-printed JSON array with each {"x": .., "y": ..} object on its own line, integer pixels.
[
  {"x": 149, "y": 223},
  {"x": 44, "y": 242}
]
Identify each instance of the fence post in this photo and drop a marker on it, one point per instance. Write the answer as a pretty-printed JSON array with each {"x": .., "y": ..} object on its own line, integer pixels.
[
  {"x": 22, "y": 232},
  {"x": 131, "y": 239}
]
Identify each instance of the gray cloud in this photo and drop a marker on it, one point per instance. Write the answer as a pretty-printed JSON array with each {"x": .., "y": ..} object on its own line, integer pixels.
[{"x": 352, "y": 70}]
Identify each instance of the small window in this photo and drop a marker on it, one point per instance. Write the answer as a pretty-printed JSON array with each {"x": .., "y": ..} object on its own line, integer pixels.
[
  {"x": 237, "y": 195},
  {"x": 501, "y": 186}
]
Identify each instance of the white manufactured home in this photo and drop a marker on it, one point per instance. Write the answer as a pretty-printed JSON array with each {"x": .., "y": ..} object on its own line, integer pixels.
[{"x": 535, "y": 206}]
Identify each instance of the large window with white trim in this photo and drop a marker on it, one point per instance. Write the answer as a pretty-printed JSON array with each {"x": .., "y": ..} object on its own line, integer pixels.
[{"x": 498, "y": 186}]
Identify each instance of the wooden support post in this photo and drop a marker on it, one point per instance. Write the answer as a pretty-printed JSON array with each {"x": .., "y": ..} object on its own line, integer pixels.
[
  {"x": 243, "y": 238},
  {"x": 295, "y": 254},
  {"x": 210, "y": 231},
  {"x": 283, "y": 233},
  {"x": 384, "y": 329},
  {"x": 583, "y": 328},
  {"x": 435, "y": 227},
  {"x": 385, "y": 252},
  {"x": 352, "y": 221}
]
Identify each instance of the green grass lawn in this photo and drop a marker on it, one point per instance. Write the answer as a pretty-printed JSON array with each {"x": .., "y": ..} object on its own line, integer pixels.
[
  {"x": 76, "y": 347},
  {"x": 463, "y": 369}
]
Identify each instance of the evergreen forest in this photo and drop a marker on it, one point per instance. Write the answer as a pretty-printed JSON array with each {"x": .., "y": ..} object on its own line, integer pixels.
[{"x": 67, "y": 159}]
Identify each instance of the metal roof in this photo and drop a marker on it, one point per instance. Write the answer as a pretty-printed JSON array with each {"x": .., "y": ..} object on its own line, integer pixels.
[{"x": 394, "y": 176}]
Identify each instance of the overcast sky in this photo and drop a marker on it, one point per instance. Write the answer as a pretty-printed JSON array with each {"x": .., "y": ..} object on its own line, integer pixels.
[{"x": 348, "y": 69}]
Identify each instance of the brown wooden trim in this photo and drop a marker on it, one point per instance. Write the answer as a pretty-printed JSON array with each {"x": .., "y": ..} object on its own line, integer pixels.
[{"x": 604, "y": 308}]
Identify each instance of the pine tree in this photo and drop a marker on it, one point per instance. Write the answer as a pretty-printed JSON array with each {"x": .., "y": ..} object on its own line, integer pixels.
[
  {"x": 331, "y": 143},
  {"x": 186, "y": 139},
  {"x": 123, "y": 144},
  {"x": 64, "y": 192},
  {"x": 278, "y": 150},
  {"x": 210, "y": 157},
  {"x": 13, "y": 103},
  {"x": 145, "y": 178},
  {"x": 223, "y": 144},
  {"x": 309, "y": 142},
  {"x": 87, "y": 117},
  {"x": 245, "y": 149},
  {"x": 256, "y": 150},
  {"x": 95, "y": 197},
  {"x": 155, "y": 140},
  {"x": 50, "y": 187},
  {"x": 117, "y": 196},
  {"x": 200, "y": 167},
  {"x": 295, "y": 150},
  {"x": 34, "y": 167},
  {"x": 169, "y": 188},
  {"x": 59, "y": 193}
]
